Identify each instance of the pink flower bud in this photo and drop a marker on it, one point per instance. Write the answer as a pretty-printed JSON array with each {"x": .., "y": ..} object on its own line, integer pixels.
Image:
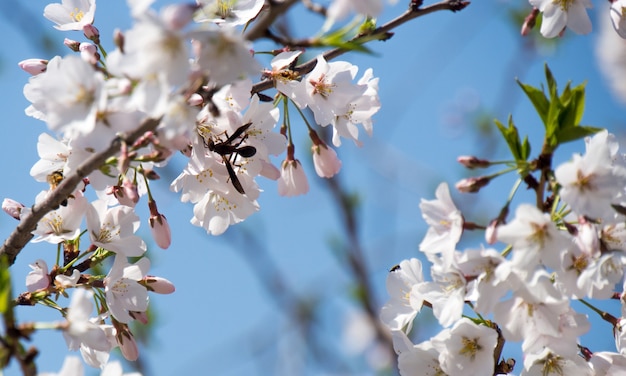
[
  {"x": 292, "y": 181},
  {"x": 472, "y": 185},
  {"x": 491, "y": 233},
  {"x": 118, "y": 39},
  {"x": 33, "y": 66},
  {"x": 529, "y": 22},
  {"x": 126, "y": 341},
  {"x": 72, "y": 44},
  {"x": 142, "y": 317},
  {"x": 195, "y": 100},
  {"x": 158, "y": 285},
  {"x": 89, "y": 53},
  {"x": 159, "y": 227},
  {"x": 92, "y": 33},
  {"x": 126, "y": 194},
  {"x": 325, "y": 160},
  {"x": 12, "y": 208},
  {"x": 161, "y": 231},
  {"x": 177, "y": 16},
  {"x": 472, "y": 162}
]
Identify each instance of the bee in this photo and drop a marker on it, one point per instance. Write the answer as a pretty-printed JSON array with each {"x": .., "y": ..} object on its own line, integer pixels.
[
  {"x": 230, "y": 148},
  {"x": 54, "y": 179}
]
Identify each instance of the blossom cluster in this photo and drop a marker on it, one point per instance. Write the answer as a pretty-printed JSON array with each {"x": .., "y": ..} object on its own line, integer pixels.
[
  {"x": 189, "y": 70},
  {"x": 572, "y": 14},
  {"x": 523, "y": 292}
]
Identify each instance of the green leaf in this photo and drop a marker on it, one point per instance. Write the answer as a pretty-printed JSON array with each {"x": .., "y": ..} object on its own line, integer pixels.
[
  {"x": 511, "y": 136},
  {"x": 5, "y": 285},
  {"x": 574, "y": 108},
  {"x": 538, "y": 99},
  {"x": 575, "y": 133},
  {"x": 552, "y": 87}
]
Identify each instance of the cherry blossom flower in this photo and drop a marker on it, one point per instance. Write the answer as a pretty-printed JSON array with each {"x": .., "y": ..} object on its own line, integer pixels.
[
  {"x": 63, "y": 223},
  {"x": 564, "y": 13},
  {"x": 445, "y": 224},
  {"x": 223, "y": 55},
  {"x": 572, "y": 325},
  {"x": 360, "y": 110},
  {"x": 123, "y": 291},
  {"x": 591, "y": 183},
  {"x": 66, "y": 95},
  {"x": 534, "y": 238},
  {"x": 485, "y": 288},
  {"x": 113, "y": 229},
  {"x": 400, "y": 310},
  {"x": 228, "y": 12},
  {"x": 326, "y": 90},
  {"x": 38, "y": 277},
  {"x": 467, "y": 349},
  {"x": 80, "y": 329},
  {"x": 325, "y": 161},
  {"x": 421, "y": 360},
  {"x": 152, "y": 49},
  {"x": 218, "y": 210},
  {"x": 546, "y": 362},
  {"x": 446, "y": 293},
  {"x": 607, "y": 363},
  {"x": 292, "y": 181},
  {"x": 533, "y": 310},
  {"x": 71, "y": 14},
  {"x": 53, "y": 154}
]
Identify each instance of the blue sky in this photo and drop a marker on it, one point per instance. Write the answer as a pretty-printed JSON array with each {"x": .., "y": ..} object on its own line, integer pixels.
[{"x": 438, "y": 74}]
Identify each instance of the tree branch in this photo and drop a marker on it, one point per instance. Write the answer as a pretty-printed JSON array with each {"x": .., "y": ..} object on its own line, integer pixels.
[
  {"x": 22, "y": 234},
  {"x": 380, "y": 33},
  {"x": 265, "y": 20}
]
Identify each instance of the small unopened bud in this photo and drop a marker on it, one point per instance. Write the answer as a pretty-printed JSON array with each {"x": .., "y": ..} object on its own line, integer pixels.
[
  {"x": 195, "y": 100},
  {"x": 89, "y": 53},
  {"x": 127, "y": 343},
  {"x": 151, "y": 175},
  {"x": 325, "y": 159},
  {"x": 472, "y": 162},
  {"x": 33, "y": 66},
  {"x": 72, "y": 44},
  {"x": 491, "y": 232},
  {"x": 177, "y": 16},
  {"x": 12, "y": 208},
  {"x": 158, "y": 285},
  {"x": 118, "y": 39},
  {"x": 529, "y": 22},
  {"x": 472, "y": 185},
  {"x": 142, "y": 317},
  {"x": 127, "y": 194},
  {"x": 92, "y": 33},
  {"x": 159, "y": 226}
]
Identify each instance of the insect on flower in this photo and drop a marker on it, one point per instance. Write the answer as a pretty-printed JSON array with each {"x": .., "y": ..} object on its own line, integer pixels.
[{"x": 230, "y": 148}]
